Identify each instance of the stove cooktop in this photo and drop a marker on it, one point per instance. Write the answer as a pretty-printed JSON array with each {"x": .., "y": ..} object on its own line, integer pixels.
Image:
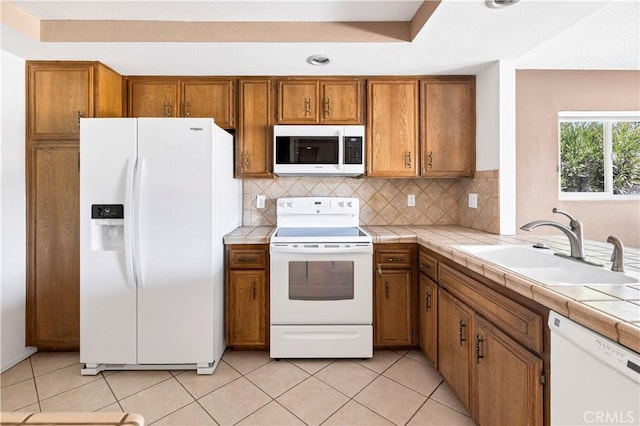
[{"x": 320, "y": 235}]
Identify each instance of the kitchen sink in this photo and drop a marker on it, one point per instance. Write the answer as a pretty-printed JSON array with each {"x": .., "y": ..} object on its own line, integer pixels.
[{"x": 541, "y": 265}]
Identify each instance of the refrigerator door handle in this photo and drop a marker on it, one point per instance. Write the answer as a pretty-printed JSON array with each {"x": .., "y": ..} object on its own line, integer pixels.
[
  {"x": 128, "y": 225},
  {"x": 137, "y": 203}
]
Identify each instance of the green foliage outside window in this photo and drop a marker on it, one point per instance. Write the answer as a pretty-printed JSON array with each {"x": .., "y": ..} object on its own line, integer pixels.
[
  {"x": 582, "y": 156},
  {"x": 626, "y": 157}
]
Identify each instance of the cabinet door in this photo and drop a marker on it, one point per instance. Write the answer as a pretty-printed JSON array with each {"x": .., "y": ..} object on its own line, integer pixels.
[
  {"x": 428, "y": 318},
  {"x": 53, "y": 281},
  {"x": 393, "y": 323},
  {"x": 58, "y": 95},
  {"x": 298, "y": 102},
  {"x": 209, "y": 98},
  {"x": 153, "y": 98},
  {"x": 448, "y": 127},
  {"x": 340, "y": 102},
  {"x": 247, "y": 308},
  {"x": 392, "y": 128},
  {"x": 254, "y": 143},
  {"x": 509, "y": 389},
  {"x": 454, "y": 353}
]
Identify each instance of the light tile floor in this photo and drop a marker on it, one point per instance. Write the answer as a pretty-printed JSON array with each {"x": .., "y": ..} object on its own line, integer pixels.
[{"x": 248, "y": 388}]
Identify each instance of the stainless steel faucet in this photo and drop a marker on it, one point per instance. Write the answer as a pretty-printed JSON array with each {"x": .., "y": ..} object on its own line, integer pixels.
[
  {"x": 617, "y": 257},
  {"x": 573, "y": 232}
]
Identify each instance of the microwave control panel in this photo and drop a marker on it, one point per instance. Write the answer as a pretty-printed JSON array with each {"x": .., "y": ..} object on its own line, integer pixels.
[{"x": 353, "y": 150}]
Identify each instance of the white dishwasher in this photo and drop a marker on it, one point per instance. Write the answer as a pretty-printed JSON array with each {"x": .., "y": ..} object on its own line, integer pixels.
[{"x": 594, "y": 380}]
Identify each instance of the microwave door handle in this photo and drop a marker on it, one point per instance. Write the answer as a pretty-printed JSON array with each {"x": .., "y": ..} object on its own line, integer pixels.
[{"x": 341, "y": 149}]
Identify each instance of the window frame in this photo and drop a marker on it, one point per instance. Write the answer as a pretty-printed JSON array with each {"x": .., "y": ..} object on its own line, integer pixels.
[{"x": 595, "y": 116}]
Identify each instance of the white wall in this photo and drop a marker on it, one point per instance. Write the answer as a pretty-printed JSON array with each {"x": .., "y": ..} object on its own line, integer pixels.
[
  {"x": 495, "y": 133},
  {"x": 12, "y": 213}
]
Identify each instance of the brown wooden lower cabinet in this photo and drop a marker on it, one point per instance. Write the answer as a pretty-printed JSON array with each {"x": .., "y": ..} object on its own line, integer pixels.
[
  {"x": 247, "y": 296},
  {"x": 455, "y": 327},
  {"x": 247, "y": 313},
  {"x": 53, "y": 292},
  {"x": 495, "y": 366},
  {"x": 428, "y": 318},
  {"x": 395, "y": 321},
  {"x": 508, "y": 379}
]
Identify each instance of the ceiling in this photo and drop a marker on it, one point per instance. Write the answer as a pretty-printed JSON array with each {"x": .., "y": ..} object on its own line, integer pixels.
[{"x": 362, "y": 37}]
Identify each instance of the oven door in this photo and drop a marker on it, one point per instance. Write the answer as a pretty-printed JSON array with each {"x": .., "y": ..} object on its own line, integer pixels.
[{"x": 327, "y": 283}]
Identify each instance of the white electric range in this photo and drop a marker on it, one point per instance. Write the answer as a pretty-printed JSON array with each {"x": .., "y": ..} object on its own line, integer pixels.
[{"x": 320, "y": 280}]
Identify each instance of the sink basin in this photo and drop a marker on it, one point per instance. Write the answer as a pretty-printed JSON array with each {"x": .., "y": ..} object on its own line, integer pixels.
[{"x": 542, "y": 266}]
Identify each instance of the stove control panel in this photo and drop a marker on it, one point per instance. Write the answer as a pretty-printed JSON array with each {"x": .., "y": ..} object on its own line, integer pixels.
[{"x": 330, "y": 211}]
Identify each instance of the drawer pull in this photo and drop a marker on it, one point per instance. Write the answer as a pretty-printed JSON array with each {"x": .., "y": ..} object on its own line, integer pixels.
[
  {"x": 254, "y": 290},
  {"x": 394, "y": 259},
  {"x": 478, "y": 342},
  {"x": 461, "y": 330},
  {"x": 246, "y": 259},
  {"x": 424, "y": 265},
  {"x": 428, "y": 302},
  {"x": 386, "y": 289}
]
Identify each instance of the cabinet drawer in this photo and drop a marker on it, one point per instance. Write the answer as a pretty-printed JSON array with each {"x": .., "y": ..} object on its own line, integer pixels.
[
  {"x": 429, "y": 266},
  {"x": 520, "y": 323},
  {"x": 247, "y": 258},
  {"x": 400, "y": 258}
]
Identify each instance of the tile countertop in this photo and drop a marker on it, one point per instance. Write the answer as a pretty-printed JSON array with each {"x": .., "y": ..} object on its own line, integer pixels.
[{"x": 613, "y": 311}]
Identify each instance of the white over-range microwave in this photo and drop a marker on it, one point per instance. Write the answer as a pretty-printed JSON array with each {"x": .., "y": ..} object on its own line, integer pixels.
[{"x": 318, "y": 150}]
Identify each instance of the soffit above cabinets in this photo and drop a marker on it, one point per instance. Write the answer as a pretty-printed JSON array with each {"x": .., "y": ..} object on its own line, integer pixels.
[{"x": 362, "y": 37}]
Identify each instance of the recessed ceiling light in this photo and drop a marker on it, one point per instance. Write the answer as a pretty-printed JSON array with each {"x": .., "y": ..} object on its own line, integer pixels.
[
  {"x": 496, "y": 4},
  {"x": 318, "y": 60}
]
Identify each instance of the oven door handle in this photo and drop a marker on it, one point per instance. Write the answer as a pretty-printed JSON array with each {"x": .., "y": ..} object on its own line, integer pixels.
[{"x": 321, "y": 249}]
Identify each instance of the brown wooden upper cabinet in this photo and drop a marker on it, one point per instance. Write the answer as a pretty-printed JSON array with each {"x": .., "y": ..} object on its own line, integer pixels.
[
  {"x": 305, "y": 101},
  {"x": 209, "y": 98},
  {"x": 254, "y": 143},
  {"x": 183, "y": 97},
  {"x": 392, "y": 128},
  {"x": 60, "y": 93},
  {"x": 152, "y": 97},
  {"x": 447, "y": 134}
]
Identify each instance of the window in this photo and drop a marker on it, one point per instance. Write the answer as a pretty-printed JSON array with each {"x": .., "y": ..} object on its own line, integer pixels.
[{"x": 599, "y": 155}]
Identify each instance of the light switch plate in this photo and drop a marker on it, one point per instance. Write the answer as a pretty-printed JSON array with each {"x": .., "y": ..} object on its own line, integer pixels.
[
  {"x": 473, "y": 201},
  {"x": 260, "y": 199},
  {"x": 411, "y": 200}
]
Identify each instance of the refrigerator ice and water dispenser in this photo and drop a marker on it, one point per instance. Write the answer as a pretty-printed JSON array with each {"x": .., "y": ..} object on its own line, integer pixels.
[{"x": 107, "y": 227}]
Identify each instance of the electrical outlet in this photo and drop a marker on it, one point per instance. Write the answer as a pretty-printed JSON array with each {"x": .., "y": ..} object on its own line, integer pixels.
[
  {"x": 411, "y": 200},
  {"x": 260, "y": 199},
  {"x": 473, "y": 201}
]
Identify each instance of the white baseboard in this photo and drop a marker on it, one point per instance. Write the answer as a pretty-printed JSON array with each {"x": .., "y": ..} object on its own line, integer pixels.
[{"x": 28, "y": 351}]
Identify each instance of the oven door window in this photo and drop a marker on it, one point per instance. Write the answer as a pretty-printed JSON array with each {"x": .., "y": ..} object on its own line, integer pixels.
[{"x": 321, "y": 280}]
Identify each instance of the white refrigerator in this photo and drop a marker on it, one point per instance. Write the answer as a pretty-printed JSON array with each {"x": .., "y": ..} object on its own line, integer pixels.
[{"x": 157, "y": 195}]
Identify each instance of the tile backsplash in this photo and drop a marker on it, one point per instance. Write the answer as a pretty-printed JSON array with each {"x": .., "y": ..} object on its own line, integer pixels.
[
  {"x": 487, "y": 216},
  {"x": 384, "y": 201}
]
